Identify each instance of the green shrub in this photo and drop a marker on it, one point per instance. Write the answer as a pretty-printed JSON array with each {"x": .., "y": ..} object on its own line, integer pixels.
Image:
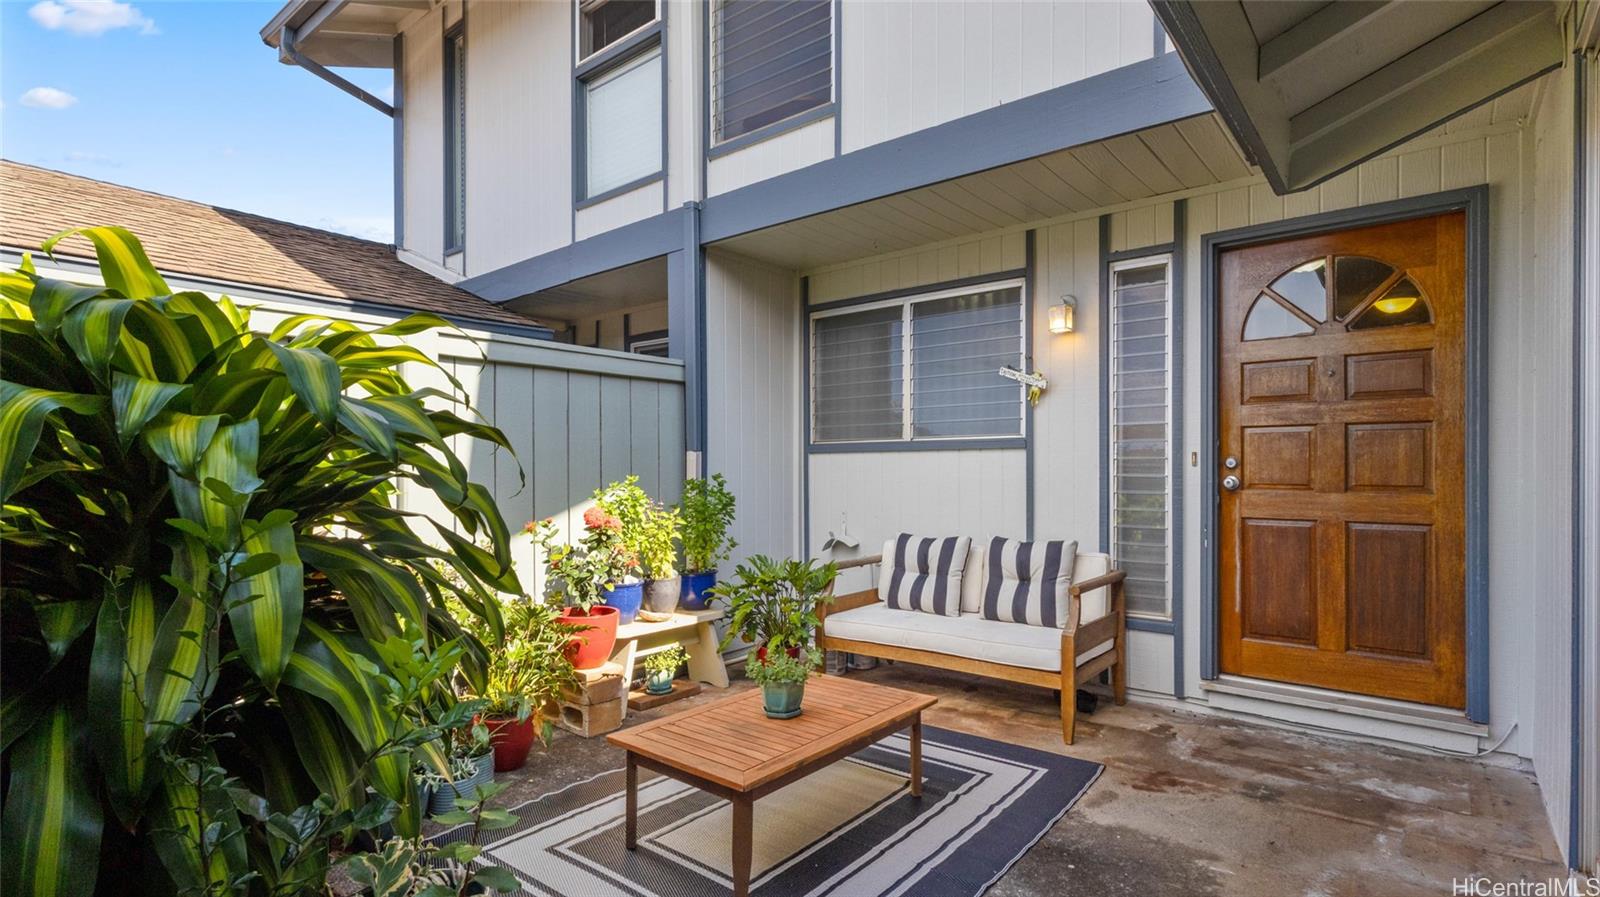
[
  {"x": 218, "y": 630},
  {"x": 707, "y": 510},
  {"x": 773, "y": 604},
  {"x": 778, "y": 668}
]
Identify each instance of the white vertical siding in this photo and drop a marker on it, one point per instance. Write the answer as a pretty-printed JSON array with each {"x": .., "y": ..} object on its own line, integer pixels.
[
  {"x": 752, "y": 389},
  {"x": 970, "y": 257},
  {"x": 684, "y": 100},
  {"x": 623, "y": 209},
  {"x": 519, "y": 131},
  {"x": 908, "y": 66},
  {"x": 771, "y": 157},
  {"x": 1542, "y": 421},
  {"x": 423, "y": 136}
]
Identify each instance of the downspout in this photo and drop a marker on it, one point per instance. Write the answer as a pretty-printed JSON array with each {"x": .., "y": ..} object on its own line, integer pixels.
[{"x": 288, "y": 51}]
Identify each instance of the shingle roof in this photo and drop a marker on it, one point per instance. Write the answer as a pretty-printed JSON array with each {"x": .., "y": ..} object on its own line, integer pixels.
[{"x": 192, "y": 238}]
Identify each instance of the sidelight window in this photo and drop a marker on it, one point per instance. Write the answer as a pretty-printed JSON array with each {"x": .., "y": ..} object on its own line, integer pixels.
[{"x": 1140, "y": 448}]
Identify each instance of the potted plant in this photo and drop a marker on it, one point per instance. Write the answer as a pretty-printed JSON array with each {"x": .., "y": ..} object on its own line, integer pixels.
[
  {"x": 707, "y": 516},
  {"x": 525, "y": 678},
  {"x": 471, "y": 766},
  {"x": 782, "y": 678},
  {"x": 660, "y": 667},
  {"x": 649, "y": 532},
  {"x": 773, "y": 604},
  {"x": 595, "y": 582}
]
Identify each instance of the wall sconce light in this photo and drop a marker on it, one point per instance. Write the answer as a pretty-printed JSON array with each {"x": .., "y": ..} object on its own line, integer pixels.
[{"x": 1061, "y": 316}]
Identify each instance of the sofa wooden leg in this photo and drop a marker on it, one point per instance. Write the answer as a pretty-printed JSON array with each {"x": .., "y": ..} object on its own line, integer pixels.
[
  {"x": 1069, "y": 709},
  {"x": 1119, "y": 680}
]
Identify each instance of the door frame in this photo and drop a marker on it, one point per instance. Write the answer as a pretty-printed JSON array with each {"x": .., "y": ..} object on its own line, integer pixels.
[{"x": 1474, "y": 201}]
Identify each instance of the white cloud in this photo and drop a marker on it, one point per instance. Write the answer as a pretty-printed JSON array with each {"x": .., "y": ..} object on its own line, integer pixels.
[
  {"x": 48, "y": 98},
  {"x": 90, "y": 17}
]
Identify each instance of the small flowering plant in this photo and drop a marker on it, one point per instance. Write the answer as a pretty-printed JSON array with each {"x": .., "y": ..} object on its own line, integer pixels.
[{"x": 580, "y": 574}]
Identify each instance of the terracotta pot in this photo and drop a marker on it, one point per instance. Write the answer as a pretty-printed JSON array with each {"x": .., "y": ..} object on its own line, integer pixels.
[
  {"x": 511, "y": 739},
  {"x": 591, "y": 647}
]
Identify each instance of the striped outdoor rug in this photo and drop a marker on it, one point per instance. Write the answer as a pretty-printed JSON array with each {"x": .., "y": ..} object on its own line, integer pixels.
[{"x": 851, "y": 830}]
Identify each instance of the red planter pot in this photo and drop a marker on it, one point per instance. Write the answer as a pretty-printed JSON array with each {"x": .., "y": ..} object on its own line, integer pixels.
[
  {"x": 591, "y": 647},
  {"x": 511, "y": 740}
]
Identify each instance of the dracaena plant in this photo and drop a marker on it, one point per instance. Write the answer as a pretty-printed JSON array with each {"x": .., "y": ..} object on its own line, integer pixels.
[{"x": 220, "y": 633}]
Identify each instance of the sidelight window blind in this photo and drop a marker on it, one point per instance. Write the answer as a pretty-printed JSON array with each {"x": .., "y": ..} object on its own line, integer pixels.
[
  {"x": 1141, "y": 427},
  {"x": 920, "y": 368},
  {"x": 773, "y": 60}
]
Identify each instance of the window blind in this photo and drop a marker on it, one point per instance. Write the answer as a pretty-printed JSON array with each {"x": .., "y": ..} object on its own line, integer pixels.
[
  {"x": 958, "y": 345},
  {"x": 1140, "y": 429},
  {"x": 857, "y": 376},
  {"x": 622, "y": 141},
  {"x": 773, "y": 60}
]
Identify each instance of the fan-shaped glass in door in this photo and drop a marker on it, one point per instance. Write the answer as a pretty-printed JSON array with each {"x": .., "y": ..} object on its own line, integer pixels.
[
  {"x": 1307, "y": 287},
  {"x": 1354, "y": 279},
  {"x": 1399, "y": 305},
  {"x": 1270, "y": 320}
]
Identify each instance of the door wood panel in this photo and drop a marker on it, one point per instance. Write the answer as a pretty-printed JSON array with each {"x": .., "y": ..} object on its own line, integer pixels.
[{"x": 1342, "y": 552}]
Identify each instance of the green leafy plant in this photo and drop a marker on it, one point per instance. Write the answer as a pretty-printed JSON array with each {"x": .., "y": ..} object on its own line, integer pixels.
[
  {"x": 666, "y": 660},
  {"x": 649, "y": 530},
  {"x": 781, "y": 669},
  {"x": 707, "y": 509},
  {"x": 214, "y": 614},
  {"x": 773, "y": 604},
  {"x": 413, "y": 867},
  {"x": 529, "y": 672},
  {"x": 578, "y": 575}
]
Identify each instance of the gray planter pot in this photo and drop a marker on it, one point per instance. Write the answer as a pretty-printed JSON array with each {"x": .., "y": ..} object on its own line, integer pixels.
[
  {"x": 444, "y": 798},
  {"x": 661, "y": 595},
  {"x": 782, "y": 700}
]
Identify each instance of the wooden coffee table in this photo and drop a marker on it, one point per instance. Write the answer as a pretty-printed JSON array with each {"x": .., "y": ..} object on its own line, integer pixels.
[{"x": 731, "y": 749}]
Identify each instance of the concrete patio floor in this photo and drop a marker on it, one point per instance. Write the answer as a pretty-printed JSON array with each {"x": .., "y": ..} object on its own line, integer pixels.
[{"x": 1195, "y": 804}]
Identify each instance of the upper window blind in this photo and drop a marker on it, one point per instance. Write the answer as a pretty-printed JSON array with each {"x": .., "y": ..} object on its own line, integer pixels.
[
  {"x": 919, "y": 368},
  {"x": 773, "y": 60},
  {"x": 1141, "y": 427},
  {"x": 622, "y": 140}
]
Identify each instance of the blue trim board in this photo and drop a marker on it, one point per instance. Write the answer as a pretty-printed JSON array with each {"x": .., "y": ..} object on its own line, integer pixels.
[
  {"x": 1579, "y": 486},
  {"x": 1123, "y": 100},
  {"x": 1102, "y": 324},
  {"x": 1474, "y": 201},
  {"x": 1176, "y": 520},
  {"x": 1030, "y": 256},
  {"x": 1146, "y": 624},
  {"x": 620, "y": 189},
  {"x": 686, "y": 327},
  {"x": 645, "y": 239}
]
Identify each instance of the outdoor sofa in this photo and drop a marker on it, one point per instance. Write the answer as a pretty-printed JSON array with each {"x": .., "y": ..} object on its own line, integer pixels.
[{"x": 931, "y": 609}]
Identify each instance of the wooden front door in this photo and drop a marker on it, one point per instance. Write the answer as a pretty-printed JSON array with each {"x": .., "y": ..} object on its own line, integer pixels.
[{"x": 1341, "y": 403}]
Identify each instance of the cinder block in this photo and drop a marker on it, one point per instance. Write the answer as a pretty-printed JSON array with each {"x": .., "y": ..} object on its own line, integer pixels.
[
  {"x": 590, "y": 720},
  {"x": 595, "y": 691}
]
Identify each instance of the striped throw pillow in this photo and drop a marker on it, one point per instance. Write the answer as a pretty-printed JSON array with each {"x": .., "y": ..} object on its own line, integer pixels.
[
  {"x": 1027, "y": 582},
  {"x": 923, "y": 573}
]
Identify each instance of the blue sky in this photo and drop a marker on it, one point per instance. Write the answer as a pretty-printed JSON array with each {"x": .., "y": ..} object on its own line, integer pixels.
[{"x": 183, "y": 98}]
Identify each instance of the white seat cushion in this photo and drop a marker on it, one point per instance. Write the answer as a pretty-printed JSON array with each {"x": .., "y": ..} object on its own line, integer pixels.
[{"x": 969, "y": 636}]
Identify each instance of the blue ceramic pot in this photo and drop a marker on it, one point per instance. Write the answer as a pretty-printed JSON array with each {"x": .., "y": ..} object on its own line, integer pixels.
[
  {"x": 782, "y": 700},
  {"x": 626, "y": 598},
  {"x": 659, "y": 682},
  {"x": 444, "y": 798},
  {"x": 692, "y": 595}
]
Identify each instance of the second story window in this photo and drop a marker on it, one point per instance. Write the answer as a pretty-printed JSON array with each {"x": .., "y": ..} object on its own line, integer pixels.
[
  {"x": 771, "y": 61},
  {"x": 602, "y": 23},
  {"x": 622, "y": 128},
  {"x": 455, "y": 141}
]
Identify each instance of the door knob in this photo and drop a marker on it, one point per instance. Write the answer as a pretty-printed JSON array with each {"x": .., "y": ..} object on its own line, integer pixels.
[{"x": 1230, "y": 483}]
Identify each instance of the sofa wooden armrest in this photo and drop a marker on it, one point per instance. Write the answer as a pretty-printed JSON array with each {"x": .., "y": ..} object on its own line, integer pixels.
[{"x": 843, "y": 603}]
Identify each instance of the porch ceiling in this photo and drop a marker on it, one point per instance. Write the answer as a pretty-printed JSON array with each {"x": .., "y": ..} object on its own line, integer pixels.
[
  {"x": 630, "y": 286},
  {"x": 1193, "y": 152},
  {"x": 1312, "y": 89}
]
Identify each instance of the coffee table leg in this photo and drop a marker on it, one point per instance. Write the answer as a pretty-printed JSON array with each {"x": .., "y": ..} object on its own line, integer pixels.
[
  {"x": 742, "y": 836},
  {"x": 916, "y": 756},
  {"x": 632, "y": 825}
]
